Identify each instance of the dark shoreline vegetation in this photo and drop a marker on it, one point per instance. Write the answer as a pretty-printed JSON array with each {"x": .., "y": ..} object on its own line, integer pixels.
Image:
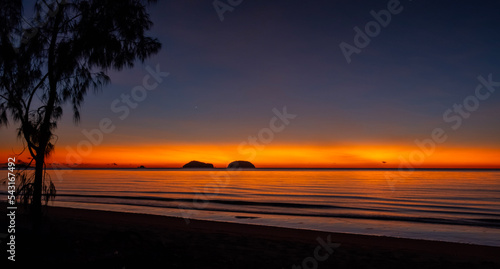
[{"x": 81, "y": 238}]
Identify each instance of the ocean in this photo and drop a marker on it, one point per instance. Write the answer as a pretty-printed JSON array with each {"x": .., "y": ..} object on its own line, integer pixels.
[{"x": 446, "y": 205}]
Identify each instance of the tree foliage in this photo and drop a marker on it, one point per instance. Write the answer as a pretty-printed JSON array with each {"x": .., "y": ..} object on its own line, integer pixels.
[{"x": 64, "y": 52}]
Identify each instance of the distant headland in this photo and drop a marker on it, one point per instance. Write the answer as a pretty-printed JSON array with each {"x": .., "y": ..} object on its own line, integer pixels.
[
  {"x": 240, "y": 164},
  {"x": 232, "y": 165},
  {"x": 197, "y": 164}
]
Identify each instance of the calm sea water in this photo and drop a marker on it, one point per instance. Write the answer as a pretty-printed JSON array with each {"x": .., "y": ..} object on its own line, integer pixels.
[{"x": 457, "y": 206}]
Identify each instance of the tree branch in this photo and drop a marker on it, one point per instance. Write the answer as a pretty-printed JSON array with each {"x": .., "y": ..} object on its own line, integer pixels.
[
  {"x": 74, "y": 17},
  {"x": 34, "y": 90},
  {"x": 6, "y": 99}
]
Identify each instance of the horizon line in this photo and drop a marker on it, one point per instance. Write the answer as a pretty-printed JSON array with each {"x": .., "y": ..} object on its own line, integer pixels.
[{"x": 271, "y": 168}]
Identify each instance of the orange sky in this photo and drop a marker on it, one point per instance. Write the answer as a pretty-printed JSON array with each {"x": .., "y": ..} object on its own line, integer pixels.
[{"x": 303, "y": 156}]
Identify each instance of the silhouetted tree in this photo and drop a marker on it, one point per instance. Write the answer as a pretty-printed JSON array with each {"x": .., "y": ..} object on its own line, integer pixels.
[{"x": 66, "y": 51}]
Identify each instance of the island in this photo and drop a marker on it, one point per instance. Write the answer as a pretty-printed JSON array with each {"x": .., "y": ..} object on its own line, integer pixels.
[
  {"x": 197, "y": 164},
  {"x": 240, "y": 164}
]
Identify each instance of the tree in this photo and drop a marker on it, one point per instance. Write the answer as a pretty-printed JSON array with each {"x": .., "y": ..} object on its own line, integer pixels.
[{"x": 66, "y": 51}]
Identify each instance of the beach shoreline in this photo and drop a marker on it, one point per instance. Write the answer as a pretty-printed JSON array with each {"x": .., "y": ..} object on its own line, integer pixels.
[{"x": 115, "y": 239}]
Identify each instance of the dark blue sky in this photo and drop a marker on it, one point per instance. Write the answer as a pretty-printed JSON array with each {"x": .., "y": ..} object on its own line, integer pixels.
[{"x": 267, "y": 54}]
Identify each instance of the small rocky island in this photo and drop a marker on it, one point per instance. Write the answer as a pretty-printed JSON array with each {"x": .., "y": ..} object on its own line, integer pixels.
[
  {"x": 197, "y": 164},
  {"x": 240, "y": 164}
]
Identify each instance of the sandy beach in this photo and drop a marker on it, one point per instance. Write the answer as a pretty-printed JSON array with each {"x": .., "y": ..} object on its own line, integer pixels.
[{"x": 90, "y": 238}]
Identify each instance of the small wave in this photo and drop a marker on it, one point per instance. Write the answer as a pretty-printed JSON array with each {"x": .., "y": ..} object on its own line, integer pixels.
[
  {"x": 216, "y": 201},
  {"x": 251, "y": 207}
]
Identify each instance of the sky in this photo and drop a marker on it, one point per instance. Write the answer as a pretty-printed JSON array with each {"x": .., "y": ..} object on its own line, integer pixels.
[{"x": 298, "y": 84}]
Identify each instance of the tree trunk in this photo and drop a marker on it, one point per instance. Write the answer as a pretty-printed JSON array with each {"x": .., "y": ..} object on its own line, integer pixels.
[
  {"x": 44, "y": 131},
  {"x": 36, "y": 203}
]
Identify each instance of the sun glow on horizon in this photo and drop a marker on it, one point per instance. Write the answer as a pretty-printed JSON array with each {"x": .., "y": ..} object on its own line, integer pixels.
[{"x": 276, "y": 156}]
